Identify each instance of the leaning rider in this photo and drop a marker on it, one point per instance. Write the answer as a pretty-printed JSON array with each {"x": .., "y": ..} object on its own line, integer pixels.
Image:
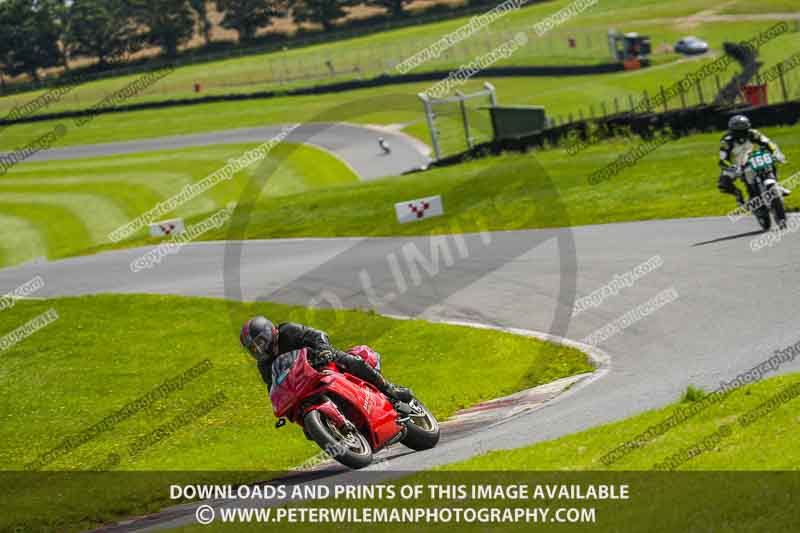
[
  {"x": 735, "y": 145},
  {"x": 265, "y": 342}
]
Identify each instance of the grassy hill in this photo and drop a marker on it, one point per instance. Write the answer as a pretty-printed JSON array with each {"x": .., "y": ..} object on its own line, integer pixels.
[
  {"x": 90, "y": 198},
  {"x": 376, "y": 53}
]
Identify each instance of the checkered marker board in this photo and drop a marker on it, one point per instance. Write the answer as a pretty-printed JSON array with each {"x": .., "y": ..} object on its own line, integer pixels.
[
  {"x": 414, "y": 210},
  {"x": 167, "y": 227}
]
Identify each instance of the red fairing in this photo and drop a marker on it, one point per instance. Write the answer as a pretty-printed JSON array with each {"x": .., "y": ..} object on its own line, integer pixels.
[
  {"x": 300, "y": 388},
  {"x": 368, "y": 409},
  {"x": 301, "y": 380},
  {"x": 329, "y": 409}
]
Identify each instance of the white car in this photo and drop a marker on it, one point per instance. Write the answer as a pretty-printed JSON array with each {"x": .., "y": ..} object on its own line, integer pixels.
[{"x": 691, "y": 46}]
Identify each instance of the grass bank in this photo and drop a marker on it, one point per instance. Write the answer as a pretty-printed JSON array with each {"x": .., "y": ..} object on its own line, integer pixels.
[
  {"x": 92, "y": 197},
  {"x": 549, "y": 188},
  {"x": 759, "y": 419},
  {"x": 105, "y": 352},
  {"x": 518, "y": 191}
]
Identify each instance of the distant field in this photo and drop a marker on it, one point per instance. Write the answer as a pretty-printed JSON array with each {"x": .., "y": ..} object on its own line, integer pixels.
[
  {"x": 373, "y": 54},
  {"x": 561, "y": 96},
  {"x": 90, "y": 198},
  {"x": 775, "y": 6}
]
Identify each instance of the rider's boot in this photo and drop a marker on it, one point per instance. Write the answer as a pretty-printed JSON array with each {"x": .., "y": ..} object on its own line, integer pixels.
[
  {"x": 396, "y": 392},
  {"x": 784, "y": 190},
  {"x": 740, "y": 201}
]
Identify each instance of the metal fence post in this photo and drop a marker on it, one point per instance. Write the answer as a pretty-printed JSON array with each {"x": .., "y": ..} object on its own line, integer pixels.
[
  {"x": 464, "y": 118},
  {"x": 783, "y": 82},
  {"x": 431, "y": 127},
  {"x": 492, "y": 93}
]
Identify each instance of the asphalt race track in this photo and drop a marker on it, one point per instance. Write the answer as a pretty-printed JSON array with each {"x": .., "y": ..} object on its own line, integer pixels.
[
  {"x": 356, "y": 145},
  {"x": 734, "y": 305}
]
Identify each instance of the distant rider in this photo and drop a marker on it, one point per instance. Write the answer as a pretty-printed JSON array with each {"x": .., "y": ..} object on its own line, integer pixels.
[
  {"x": 384, "y": 145},
  {"x": 734, "y": 147},
  {"x": 265, "y": 342}
]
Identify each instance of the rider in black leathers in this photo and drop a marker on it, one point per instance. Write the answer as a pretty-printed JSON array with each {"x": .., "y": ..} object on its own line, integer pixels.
[{"x": 265, "y": 342}]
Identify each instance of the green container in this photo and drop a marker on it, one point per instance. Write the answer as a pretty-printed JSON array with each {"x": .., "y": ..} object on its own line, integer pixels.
[{"x": 513, "y": 122}]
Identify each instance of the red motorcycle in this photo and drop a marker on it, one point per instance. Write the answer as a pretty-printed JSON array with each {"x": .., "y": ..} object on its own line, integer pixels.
[{"x": 347, "y": 417}]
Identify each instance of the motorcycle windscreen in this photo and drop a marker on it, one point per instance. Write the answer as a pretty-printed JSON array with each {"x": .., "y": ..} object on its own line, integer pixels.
[{"x": 292, "y": 379}]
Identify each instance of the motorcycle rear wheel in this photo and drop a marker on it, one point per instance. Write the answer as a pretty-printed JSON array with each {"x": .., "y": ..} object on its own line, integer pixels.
[
  {"x": 350, "y": 448},
  {"x": 422, "y": 428}
]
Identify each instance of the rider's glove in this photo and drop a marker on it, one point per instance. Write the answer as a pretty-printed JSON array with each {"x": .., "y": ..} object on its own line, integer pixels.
[
  {"x": 780, "y": 157},
  {"x": 324, "y": 357},
  {"x": 731, "y": 171}
]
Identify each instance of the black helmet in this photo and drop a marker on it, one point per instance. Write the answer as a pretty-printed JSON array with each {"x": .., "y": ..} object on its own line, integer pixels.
[
  {"x": 260, "y": 337},
  {"x": 739, "y": 125}
]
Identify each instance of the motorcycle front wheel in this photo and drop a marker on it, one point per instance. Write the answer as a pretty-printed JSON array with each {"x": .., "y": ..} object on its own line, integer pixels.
[
  {"x": 762, "y": 215},
  {"x": 422, "y": 428},
  {"x": 348, "y": 446},
  {"x": 779, "y": 211}
]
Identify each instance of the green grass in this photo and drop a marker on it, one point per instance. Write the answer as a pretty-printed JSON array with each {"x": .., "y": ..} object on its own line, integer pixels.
[
  {"x": 92, "y": 197},
  {"x": 117, "y": 189},
  {"x": 561, "y": 96},
  {"x": 775, "y": 6},
  {"x": 106, "y": 351},
  {"x": 742, "y": 482},
  {"x": 512, "y": 192},
  {"x": 762, "y": 445},
  {"x": 377, "y": 53}
]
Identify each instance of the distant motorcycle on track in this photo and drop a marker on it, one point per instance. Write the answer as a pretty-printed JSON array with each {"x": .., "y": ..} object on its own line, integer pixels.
[{"x": 347, "y": 417}]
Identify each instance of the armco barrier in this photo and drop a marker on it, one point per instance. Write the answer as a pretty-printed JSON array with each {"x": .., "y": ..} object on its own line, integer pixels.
[{"x": 680, "y": 122}]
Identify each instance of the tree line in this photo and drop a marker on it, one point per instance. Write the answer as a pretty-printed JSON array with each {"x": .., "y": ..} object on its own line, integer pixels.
[{"x": 37, "y": 34}]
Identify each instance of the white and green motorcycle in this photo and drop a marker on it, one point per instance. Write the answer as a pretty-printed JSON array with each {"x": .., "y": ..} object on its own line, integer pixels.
[{"x": 766, "y": 199}]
